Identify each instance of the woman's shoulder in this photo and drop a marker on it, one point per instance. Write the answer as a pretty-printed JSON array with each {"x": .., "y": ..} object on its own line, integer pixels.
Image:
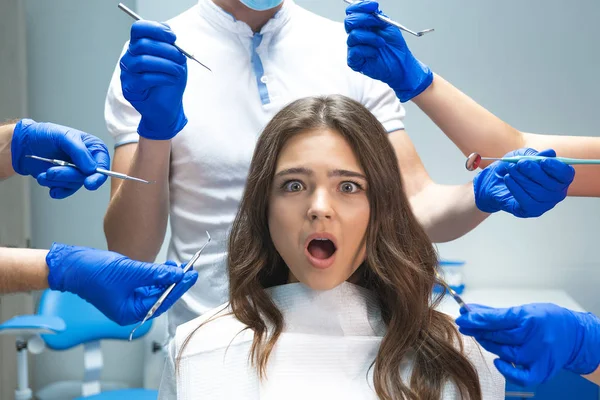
[{"x": 213, "y": 330}]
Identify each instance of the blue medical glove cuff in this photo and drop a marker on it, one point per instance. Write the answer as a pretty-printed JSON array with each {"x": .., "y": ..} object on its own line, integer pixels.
[
  {"x": 167, "y": 133},
  {"x": 18, "y": 145},
  {"x": 55, "y": 261},
  {"x": 586, "y": 357},
  {"x": 481, "y": 200},
  {"x": 422, "y": 80}
]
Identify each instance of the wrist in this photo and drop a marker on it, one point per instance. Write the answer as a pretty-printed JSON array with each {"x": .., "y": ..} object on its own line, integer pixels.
[
  {"x": 153, "y": 152},
  {"x": 55, "y": 260},
  {"x": 6, "y": 135},
  {"x": 419, "y": 77},
  {"x": 585, "y": 357},
  {"x": 19, "y": 143},
  {"x": 481, "y": 201},
  {"x": 152, "y": 159}
]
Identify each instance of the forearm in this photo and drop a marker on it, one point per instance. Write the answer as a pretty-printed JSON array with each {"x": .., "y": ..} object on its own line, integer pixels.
[
  {"x": 22, "y": 270},
  {"x": 6, "y": 133},
  {"x": 472, "y": 128},
  {"x": 136, "y": 219},
  {"x": 586, "y": 182},
  {"x": 594, "y": 376},
  {"x": 446, "y": 212}
]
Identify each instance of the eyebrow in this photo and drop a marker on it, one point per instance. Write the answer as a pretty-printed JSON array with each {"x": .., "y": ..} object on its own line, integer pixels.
[{"x": 309, "y": 172}]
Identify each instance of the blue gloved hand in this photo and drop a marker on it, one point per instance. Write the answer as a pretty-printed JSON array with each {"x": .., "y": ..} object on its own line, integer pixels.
[
  {"x": 123, "y": 289},
  {"x": 540, "y": 339},
  {"x": 153, "y": 79},
  {"x": 378, "y": 50},
  {"x": 525, "y": 189},
  {"x": 58, "y": 142}
]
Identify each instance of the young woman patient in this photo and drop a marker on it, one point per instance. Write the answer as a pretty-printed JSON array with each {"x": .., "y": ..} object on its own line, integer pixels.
[{"x": 330, "y": 279}]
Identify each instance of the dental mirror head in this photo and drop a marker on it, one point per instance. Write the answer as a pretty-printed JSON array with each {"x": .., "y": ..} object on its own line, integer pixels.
[{"x": 473, "y": 162}]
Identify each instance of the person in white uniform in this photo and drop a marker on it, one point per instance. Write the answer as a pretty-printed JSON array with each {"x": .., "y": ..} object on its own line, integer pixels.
[
  {"x": 263, "y": 55},
  {"x": 330, "y": 279}
]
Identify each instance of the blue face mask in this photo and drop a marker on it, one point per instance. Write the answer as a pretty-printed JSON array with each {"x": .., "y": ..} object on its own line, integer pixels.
[{"x": 261, "y": 5}]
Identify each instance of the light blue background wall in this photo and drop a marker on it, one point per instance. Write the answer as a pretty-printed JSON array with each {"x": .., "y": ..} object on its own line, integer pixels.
[
  {"x": 72, "y": 49},
  {"x": 532, "y": 63}
]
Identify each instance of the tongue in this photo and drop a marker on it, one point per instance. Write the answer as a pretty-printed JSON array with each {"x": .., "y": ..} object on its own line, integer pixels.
[{"x": 321, "y": 249}]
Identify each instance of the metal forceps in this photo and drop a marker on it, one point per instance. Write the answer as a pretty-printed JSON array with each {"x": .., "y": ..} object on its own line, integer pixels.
[
  {"x": 394, "y": 23},
  {"x": 98, "y": 170},
  {"x": 162, "y": 298},
  {"x": 133, "y": 15}
]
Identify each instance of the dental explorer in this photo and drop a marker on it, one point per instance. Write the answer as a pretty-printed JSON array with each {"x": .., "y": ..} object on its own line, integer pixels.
[
  {"x": 133, "y": 15},
  {"x": 98, "y": 170},
  {"x": 162, "y": 298}
]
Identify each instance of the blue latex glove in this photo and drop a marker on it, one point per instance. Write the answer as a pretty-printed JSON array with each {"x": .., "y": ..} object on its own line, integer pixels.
[
  {"x": 153, "y": 79},
  {"x": 540, "y": 339},
  {"x": 123, "y": 289},
  {"x": 58, "y": 142},
  {"x": 378, "y": 50},
  {"x": 525, "y": 189}
]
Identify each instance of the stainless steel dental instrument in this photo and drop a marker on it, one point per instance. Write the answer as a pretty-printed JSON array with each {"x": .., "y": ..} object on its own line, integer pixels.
[
  {"x": 162, "y": 298},
  {"x": 457, "y": 298},
  {"x": 133, "y": 15},
  {"x": 452, "y": 292},
  {"x": 98, "y": 170},
  {"x": 474, "y": 160},
  {"x": 396, "y": 24}
]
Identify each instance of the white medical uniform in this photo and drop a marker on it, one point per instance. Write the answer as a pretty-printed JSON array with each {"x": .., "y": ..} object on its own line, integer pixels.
[
  {"x": 296, "y": 54},
  {"x": 329, "y": 342}
]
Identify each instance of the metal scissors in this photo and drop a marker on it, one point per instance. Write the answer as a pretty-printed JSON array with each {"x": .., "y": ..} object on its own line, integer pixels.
[
  {"x": 162, "y": 298},
  {"x": 133, "y": 15},
  {"x": 98, "y": 170},
  {"x": 394, "y": 23},
  {"x": 474, "y": 160}
]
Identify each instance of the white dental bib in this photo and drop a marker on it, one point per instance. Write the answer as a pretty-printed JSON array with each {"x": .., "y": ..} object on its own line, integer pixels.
[{"x": 329, "y": 343}]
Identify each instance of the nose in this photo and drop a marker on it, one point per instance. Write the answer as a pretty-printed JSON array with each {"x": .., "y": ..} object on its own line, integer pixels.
[{"x": 321, "y": 206}]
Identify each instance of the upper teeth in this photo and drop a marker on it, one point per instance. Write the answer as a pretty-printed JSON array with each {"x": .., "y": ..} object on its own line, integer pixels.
[{"x": 321, "y": 239}]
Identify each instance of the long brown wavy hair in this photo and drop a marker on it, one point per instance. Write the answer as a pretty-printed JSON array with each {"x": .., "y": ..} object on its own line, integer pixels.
[{"x": 399, "y": 267}]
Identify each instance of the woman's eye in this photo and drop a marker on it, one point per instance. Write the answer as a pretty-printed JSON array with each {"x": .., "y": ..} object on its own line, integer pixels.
[
  {"x": 293, "y": 186},
  {"x": 349, "y": 187}
]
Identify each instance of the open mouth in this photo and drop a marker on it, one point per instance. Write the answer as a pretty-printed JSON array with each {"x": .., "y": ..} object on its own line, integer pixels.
[{"x": 321, "y": 248}]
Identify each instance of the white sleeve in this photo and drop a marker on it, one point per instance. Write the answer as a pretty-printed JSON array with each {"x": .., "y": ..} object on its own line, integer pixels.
[
  {"x": 121, "y": 118},
  {"x": 168, "y": 383},
  {"x": 381, "y": 100}
]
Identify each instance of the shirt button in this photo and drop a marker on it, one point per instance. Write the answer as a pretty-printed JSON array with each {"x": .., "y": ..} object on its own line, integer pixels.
[{"x": 264, "y": 79}]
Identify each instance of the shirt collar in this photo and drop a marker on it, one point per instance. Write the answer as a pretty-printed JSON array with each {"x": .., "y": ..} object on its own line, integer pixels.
[{"x": 219, "y": 17}]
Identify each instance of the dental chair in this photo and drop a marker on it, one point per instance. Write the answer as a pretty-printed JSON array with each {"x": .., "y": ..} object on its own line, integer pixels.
[{"x": 64, "y": 321}]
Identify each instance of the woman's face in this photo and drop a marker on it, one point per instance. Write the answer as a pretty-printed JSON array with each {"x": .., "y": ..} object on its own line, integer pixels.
[{"x": 318, "y": 209}]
